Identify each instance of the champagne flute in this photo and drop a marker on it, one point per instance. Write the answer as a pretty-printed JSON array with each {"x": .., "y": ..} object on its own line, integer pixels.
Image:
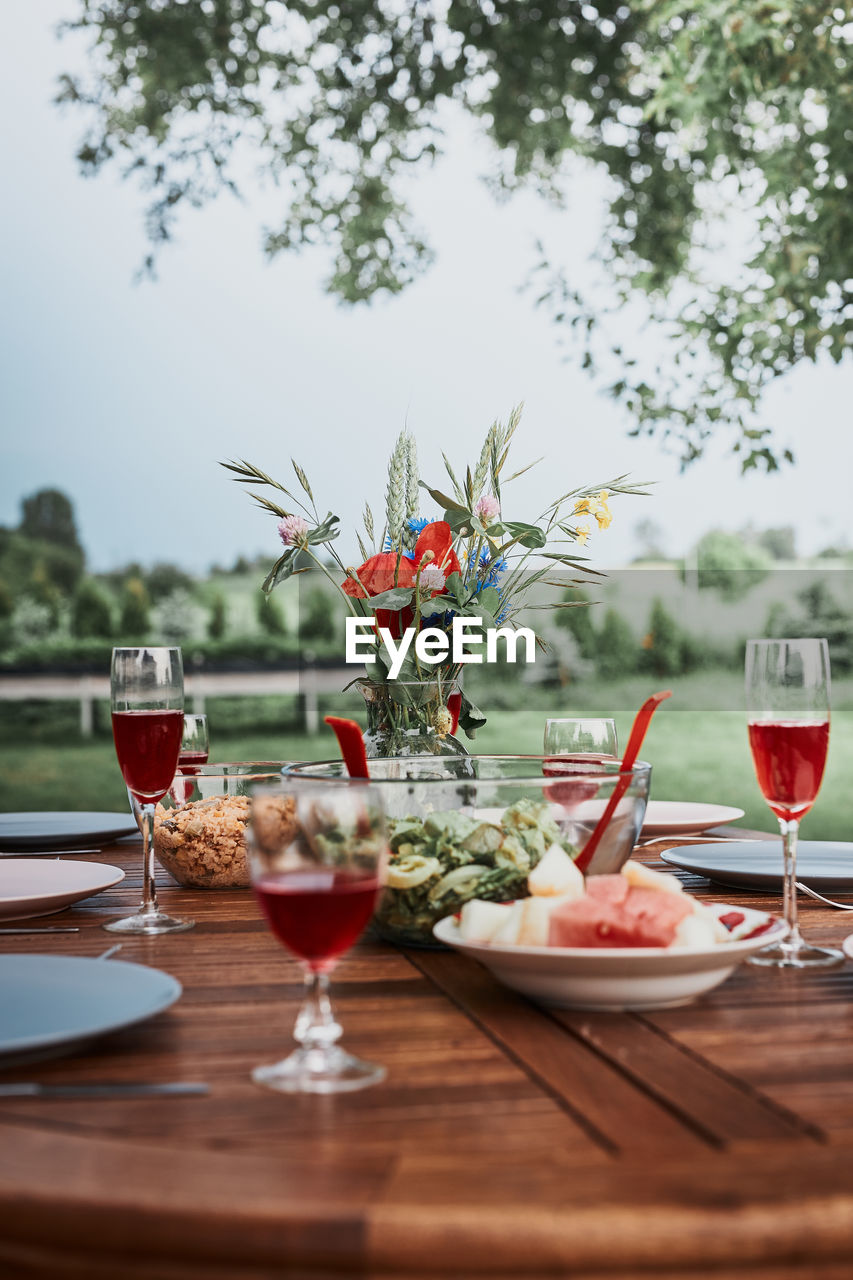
[
  {"x": 147, "y": 699},
  {"x": 787, "y": 700},
  {"x": 195, "y": 742},
  {"x": 581, "y": 736},
  {"x": 317, "y": 860}
]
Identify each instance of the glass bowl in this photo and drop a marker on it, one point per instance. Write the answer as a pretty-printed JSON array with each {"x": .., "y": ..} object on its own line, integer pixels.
[
  {"x": 200, "y": 824},
  {"x": 473, "y": 827}
]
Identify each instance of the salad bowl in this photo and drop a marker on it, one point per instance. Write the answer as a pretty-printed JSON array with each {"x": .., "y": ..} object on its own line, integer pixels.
[{"x": 475, "y": 826}]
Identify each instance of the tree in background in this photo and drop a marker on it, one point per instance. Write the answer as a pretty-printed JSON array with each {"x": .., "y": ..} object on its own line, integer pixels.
[
  {"x": 48, "y": 516},
  {"x": 578, "y": 621},
  {"x": 269, "y": 615},
  {"x": 318, "y": 615},
  {"x": 217, "y": 621},
  {"x": 723, "y": 124},
  {"x": 616, "y": 649},
  {"x": 134, "y": 608},
  {"x": 164, "y": 580},
  {"x": 91, "y": 612},
  {"x": 663, "y": 643},
  {"x": 727, "y": 563}
]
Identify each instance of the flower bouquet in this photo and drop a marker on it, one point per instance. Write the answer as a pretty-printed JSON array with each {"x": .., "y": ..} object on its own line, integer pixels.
[{"x": 424, "y": 581}]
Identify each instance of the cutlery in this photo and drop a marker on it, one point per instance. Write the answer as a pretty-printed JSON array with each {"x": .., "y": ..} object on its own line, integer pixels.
[
  {"x": 54, "y": 928},
  {"x": 43, "y": 853},
  {"x": 105, "y": 1089},
  {"x": 110, "y": 952},
  {"x": 812, "y": 893}
]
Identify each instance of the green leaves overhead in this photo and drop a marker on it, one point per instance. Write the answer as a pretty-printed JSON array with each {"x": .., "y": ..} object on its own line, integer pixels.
[{"x": 701, "y": 116}]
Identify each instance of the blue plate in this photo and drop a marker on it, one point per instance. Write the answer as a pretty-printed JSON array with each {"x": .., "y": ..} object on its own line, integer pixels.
[
  {"x": 757, "y": 864},
  {"x": 53, "y": 1003},
  {"x": 20, "y": 832}
]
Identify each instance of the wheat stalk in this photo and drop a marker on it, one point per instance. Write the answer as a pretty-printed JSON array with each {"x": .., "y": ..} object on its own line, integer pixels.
[{"x": 395, "y": 493}]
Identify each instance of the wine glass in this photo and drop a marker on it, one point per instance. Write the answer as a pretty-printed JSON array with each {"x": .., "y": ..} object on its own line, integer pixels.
[
  {"x": 787, "y": 701},
  {"x": 317, "y": 861},
  {"x": 195, "y": 742},
  {"x": 581, "y": 737},
  {"x": 147, "y": 699}
]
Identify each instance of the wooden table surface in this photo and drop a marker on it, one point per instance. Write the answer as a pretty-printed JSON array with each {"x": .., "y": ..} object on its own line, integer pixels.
[{"x": 712, "y": 1140}]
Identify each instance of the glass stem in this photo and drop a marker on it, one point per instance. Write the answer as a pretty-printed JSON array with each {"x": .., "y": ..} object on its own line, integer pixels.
[
  {"x": 148, "y": 906},
  {"x": 316, "y": 1026},
  {"x": 790, "y": 830}
]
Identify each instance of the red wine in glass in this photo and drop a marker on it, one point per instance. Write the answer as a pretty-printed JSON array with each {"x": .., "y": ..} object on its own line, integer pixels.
[
  {"x": 147, "y": 705},
  {"x": 317, "y": 856},
  {"x": 190, "y": 760},
  {"x": 789, "y": 756},
  {"x": 318, "y": 913},
  {"x": 787, "y": 699},
  {"x": 147, "y": 743}
]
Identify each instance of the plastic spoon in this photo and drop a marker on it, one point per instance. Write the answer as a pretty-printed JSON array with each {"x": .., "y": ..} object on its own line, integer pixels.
[
  {"x": 351, "y": 742},
  {"x": 638, "y": 733}
]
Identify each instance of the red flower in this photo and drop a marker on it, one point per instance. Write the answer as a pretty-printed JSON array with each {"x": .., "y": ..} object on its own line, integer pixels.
[{"x": 378, "y": 573}]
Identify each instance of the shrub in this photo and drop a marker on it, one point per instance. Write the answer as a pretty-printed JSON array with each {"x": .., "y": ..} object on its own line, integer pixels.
[
  {"x": 317, "y": 615},
  {"x": 91, "y": 611},
  {"x": 727, "y": 564},
  {"x": 578, "y": 620},
  {"x": 269, "y": 614},
  {"x": 135, "y": 617},
  {"x": 217, "y": 619},
  {"x": 616, "y": 649},
  {"x": 664, "y": 643}
]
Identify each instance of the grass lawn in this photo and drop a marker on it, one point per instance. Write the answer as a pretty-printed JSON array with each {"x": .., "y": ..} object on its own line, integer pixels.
[{"x": 698, "y": 753}]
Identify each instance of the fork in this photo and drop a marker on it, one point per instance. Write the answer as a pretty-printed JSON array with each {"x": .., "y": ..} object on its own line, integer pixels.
[{"x": 812, "y": 893}]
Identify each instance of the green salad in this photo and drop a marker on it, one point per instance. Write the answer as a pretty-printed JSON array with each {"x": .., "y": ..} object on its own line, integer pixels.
[{"x": 440, "y": 862}]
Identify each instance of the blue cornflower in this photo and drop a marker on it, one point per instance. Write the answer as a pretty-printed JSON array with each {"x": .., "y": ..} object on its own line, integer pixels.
[{"x": 417, "y": 524}]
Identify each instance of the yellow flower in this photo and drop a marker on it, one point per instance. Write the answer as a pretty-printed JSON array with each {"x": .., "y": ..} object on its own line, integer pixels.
[
  {"x": 582, "y": 533},
  {"x": 602, "y": 513},
  {"x": 583, "y": 507}
]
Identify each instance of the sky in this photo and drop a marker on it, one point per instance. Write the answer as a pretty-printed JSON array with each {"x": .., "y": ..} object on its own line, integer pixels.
[{"x": 127, "y": 396}]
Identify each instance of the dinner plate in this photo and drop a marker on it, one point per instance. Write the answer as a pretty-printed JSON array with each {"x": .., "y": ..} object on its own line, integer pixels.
[
  {"x": 680, "y": 818},
  {"x": 34, "y": 888},
  {"x": 53, "y": 1002},
  {"x": 757, "y": 864},
  {"x": 22, "y": 831},
  {"x": 610, "y": 979}
]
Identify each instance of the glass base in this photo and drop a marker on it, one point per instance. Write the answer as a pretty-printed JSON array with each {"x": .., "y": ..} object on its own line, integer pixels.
[
  {"x": 319, "y": 1071},
  {"x": 147, "y": 924},
  {"x": 781, "y": 956}
]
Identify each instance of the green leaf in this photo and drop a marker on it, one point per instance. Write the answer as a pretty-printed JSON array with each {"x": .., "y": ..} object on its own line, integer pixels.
[
  {"x": 442, "y": 499},
  {"x": 471, "y": 717},
  {"x": 460, "y": 522},
  {"x": 395, "y": 598},
  {"x": 529, "y": 535},
  {"x": 325, "y": 532},
  {"x": 488, "y": 599},
  {"x": 281, "y": 570}
]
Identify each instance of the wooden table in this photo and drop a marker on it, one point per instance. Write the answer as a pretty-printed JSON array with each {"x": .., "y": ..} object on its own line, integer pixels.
[{"x": 713, "y": 1140}]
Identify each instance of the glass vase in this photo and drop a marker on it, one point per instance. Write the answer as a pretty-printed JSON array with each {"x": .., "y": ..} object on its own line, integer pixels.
[{"x": 410, "y": 718}]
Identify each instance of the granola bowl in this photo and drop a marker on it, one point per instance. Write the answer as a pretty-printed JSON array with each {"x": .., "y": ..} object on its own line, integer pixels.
[{"x": 200, "y": 824}]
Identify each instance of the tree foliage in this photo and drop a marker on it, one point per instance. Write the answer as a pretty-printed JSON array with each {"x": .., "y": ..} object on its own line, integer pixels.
[{"x": 719, "y": 126}]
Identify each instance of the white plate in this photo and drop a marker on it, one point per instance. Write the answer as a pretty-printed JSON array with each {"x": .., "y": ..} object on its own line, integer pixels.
[
  {"x": 20, "y": 832},
  {"x": 676, "y": 817},
  {"x": 31, "y": 888},
  {"x": 48, "y": 1002},
  {"x": 610, "y": 979}
]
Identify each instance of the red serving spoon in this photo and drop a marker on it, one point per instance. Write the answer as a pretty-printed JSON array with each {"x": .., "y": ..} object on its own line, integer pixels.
[
  {"x": 351, "y": 742},
  {"x": 635, "y": 741}
]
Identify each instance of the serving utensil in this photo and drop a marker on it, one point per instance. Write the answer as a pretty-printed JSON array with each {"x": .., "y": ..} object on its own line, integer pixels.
[
  {"x": 104, "y": 1089},
  {"x": 351, "y": 742},
  {"x": 641, "y": 723}
]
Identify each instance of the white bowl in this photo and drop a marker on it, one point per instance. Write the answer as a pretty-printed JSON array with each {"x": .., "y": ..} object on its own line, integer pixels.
[{"x": 611, "y": 979}]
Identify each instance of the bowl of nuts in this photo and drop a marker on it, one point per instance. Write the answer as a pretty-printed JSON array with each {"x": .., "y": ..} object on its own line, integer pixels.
[{"x": 200, "y": 824}]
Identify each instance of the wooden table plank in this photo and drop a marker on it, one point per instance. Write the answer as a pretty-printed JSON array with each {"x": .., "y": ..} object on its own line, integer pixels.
[{"x": 507, "y": 1139}]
